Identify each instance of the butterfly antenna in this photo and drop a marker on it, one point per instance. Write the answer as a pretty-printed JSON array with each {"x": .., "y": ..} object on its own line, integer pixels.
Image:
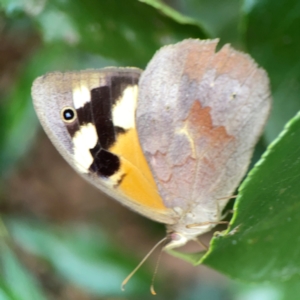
[
  {"x": 140, "y": 264},
  {"x": 155, "y": 272}
]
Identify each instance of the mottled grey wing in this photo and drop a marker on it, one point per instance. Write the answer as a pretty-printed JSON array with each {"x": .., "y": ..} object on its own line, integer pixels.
[{"x": 199, "y": 115}]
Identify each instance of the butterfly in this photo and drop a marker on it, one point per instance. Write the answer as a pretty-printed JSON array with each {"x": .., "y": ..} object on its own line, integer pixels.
[{"x": 171, "y": 142}]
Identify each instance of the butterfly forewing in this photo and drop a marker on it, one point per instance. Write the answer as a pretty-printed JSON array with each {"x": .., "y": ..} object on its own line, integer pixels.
[{"x": 101, "y": 142}]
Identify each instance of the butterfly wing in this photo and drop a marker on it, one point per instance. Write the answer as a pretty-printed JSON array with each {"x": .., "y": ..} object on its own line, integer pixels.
[
  {"x": 199, "y": 115},
  {"x": 90, "y": 118}
]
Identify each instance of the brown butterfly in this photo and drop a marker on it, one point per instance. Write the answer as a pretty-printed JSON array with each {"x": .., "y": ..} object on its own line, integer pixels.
[{"x": 171, "y": 142}]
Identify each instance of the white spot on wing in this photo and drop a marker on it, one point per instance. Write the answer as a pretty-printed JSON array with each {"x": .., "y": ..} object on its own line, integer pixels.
[
  {"x": 81, "y": 96},
  {"x": 124, "y": 111},
  {"x": 85, "y": 139}
]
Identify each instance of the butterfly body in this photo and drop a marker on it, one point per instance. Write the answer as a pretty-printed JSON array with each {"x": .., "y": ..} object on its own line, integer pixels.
[{"x": 172, "y": 142}]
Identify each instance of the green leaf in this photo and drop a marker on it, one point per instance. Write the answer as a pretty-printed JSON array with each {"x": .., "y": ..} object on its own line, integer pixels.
[
  {"x": 262, "y": 241},
  {"x": 16, "y": 283},
  {"x": 127, "y": 31},
  {"x": 79, "y": 254},
  {"x": 4, "y": 296},
  {"x": 172, "y": 13},
  {"x": 272, "y": 38},
  {"x": 259, "y": 291},
  {"x": 219, "y": 18}
]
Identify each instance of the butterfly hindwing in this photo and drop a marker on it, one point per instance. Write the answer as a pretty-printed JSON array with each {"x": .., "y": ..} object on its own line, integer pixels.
[{"x": 206, "y": 110}]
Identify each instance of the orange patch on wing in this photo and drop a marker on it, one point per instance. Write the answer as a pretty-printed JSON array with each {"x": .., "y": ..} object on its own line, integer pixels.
[
  {"x": 137, "y": 182},
  {"x": 198, "y": 57},
  {"x": 200, "y": 125}
]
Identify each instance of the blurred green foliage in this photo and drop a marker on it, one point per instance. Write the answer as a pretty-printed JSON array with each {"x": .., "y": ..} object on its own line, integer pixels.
[{"x": 261, "y": 244}]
